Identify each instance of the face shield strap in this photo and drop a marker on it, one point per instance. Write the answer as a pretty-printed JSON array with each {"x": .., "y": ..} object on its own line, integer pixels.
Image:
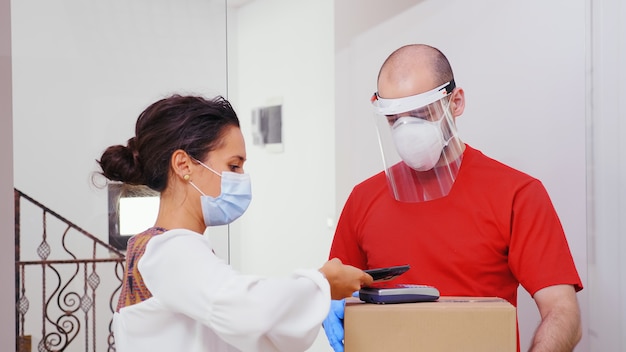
[{"x": 396, "y": 106}]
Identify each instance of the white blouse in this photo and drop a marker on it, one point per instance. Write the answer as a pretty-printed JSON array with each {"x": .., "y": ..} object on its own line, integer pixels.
[{"x": 200, "y": 303}]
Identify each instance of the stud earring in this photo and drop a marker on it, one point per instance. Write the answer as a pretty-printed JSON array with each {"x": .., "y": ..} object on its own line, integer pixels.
[{"x": 186, "y": 177}]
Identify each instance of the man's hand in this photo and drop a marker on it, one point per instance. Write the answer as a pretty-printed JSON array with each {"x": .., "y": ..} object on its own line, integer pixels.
[{"x": 333, "y": 324}]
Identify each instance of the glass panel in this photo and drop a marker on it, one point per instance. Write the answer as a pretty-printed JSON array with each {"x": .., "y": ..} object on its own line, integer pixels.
[{"x": 82, "y": 73}]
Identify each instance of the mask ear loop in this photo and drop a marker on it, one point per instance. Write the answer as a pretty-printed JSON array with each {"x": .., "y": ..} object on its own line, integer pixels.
[
  {"x": 196, "y": 187},
  {"x": 207, "y": 167}
]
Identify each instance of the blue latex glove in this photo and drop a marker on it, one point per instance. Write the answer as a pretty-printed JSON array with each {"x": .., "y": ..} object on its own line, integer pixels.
[{"x": 333, "y": 324}]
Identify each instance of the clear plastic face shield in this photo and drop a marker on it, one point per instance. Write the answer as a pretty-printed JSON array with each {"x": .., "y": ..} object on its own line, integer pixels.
[{"x": 419, "y": 144}]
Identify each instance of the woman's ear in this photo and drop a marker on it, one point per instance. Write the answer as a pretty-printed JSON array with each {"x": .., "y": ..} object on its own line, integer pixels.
[
  {"x": 457, "y": 102},
  {"x": 181, "y": 164}
]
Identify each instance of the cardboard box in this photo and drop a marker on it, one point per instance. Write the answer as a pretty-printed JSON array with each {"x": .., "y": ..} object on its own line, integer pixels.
[{"x": 467, "y": 324}]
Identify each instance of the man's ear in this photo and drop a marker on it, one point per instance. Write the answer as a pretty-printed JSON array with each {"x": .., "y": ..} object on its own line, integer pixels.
[
  {"x": 181, "y": 164},
  {"x": 457, "y": 102}
]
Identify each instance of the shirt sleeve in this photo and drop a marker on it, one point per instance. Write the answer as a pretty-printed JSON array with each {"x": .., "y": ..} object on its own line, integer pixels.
[
  {"x": 539, "y": 253},
  {"x": 249, "y": 312}
]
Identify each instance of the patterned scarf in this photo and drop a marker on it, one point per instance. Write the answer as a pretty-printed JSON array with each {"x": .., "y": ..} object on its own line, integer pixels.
[{"x": 133, "y": 288}]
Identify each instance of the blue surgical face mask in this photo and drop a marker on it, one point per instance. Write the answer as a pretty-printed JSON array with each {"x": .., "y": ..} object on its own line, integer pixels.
[{"x": 231, "y": 203}]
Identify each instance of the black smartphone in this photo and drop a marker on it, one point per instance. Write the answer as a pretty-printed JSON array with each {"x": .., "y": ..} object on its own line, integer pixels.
[{"x": 388, "y": 273}]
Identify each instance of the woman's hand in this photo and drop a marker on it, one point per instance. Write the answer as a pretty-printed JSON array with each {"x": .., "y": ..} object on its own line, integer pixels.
[{"x": 344, "y": 279}]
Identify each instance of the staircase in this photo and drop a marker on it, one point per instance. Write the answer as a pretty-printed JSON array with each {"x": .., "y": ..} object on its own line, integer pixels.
[{"x": 67, "y": 282}]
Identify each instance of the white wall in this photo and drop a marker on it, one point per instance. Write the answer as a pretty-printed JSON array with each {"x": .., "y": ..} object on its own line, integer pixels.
[
  {"x": 7, "y": 229},
  {"x": 607, "y": 175},
  {"x": 522, "y": 65},
  {"x": 284, "y": 52}
]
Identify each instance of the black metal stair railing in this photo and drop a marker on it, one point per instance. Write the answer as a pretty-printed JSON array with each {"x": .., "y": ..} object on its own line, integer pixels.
[{"x": 67, "y": 282}]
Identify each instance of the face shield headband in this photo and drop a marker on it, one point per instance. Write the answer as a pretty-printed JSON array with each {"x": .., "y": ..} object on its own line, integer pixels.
[{"x": 396, "y": 106}]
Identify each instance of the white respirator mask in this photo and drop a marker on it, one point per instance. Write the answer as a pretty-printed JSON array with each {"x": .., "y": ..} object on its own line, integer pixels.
[{"x": 419, "y": 142}]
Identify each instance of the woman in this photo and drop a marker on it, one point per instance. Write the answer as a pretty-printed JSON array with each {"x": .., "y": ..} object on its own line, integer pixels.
[{"x": 177, "y": 295}]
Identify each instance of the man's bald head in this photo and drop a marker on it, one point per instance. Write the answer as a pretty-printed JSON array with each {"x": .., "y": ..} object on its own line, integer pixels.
[{"x": 413, "y": 69}]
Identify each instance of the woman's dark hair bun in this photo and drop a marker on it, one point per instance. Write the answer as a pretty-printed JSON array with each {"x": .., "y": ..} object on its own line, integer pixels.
[{"x": 121, "y": 163}]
